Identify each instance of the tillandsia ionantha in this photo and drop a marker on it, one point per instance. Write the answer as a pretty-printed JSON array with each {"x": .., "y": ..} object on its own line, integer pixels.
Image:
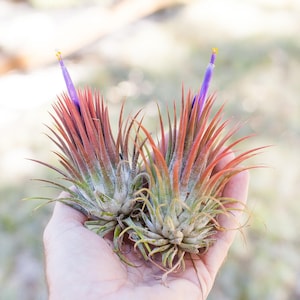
[
  {"x": 163, "y": 194},
  {"x": 104, "y": 172}
]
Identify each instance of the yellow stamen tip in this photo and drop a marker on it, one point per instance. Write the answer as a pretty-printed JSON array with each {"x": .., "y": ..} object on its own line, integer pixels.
[
  {"x": 58, "y": 55},
  {"x": 215, "y": 50}
]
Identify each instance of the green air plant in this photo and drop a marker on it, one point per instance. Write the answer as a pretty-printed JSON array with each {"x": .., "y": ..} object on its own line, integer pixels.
[
  {"x": 162, "y": 195},
  {"x": 183, "y": 200}
]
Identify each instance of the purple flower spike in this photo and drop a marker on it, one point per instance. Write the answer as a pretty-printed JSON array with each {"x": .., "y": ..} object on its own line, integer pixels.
[
  {"x": 69, "y": 83},
  {"x": 201, "y": 97}
]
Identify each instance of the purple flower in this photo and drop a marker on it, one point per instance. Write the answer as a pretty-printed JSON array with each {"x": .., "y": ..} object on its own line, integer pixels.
[
  {"x": 69, "y": 83},
  {"x": 201, "y": 96}
]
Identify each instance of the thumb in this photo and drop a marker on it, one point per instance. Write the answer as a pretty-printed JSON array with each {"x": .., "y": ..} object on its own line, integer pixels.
[
  {"x": 63, "y": 218},
  {"x": 65, "y": 213}
]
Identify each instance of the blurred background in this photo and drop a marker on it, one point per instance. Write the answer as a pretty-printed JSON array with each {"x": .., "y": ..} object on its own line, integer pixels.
[{"x": 144, "y": 51}]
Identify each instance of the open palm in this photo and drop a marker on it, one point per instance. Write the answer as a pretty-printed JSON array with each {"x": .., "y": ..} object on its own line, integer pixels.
[{"x": 82, "y": 265}]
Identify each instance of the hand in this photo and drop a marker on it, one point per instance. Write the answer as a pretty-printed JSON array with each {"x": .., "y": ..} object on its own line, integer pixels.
[{"x": 82, "y": 265}]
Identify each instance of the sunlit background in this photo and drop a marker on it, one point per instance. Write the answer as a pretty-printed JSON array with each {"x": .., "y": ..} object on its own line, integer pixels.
[{"x": 143, "y": 51}]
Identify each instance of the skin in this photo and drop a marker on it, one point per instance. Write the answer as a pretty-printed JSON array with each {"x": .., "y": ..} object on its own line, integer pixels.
[{"x": 82, "y": 265}]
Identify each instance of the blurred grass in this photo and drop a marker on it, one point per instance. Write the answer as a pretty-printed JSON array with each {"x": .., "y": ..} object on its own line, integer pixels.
[{"x": 257, "y": 75}]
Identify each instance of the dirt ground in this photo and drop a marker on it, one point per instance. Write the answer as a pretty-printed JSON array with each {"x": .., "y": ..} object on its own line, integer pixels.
[{"x": 146, "y": 59}]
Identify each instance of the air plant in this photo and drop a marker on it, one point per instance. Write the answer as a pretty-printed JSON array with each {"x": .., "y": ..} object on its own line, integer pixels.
[
  {"x": 103, "y": 171},
  {"x": 164, "y": 195},
  {"x": 184, "y": 198}
]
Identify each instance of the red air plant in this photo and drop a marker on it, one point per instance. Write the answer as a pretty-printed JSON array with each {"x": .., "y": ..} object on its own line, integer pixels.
[
  {"x": 165, "y": 196},
  {"x": 103, "y": 171}
]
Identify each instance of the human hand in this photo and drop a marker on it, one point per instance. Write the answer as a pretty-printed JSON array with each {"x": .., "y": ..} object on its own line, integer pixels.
[{"x": 82, "y": 265}]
